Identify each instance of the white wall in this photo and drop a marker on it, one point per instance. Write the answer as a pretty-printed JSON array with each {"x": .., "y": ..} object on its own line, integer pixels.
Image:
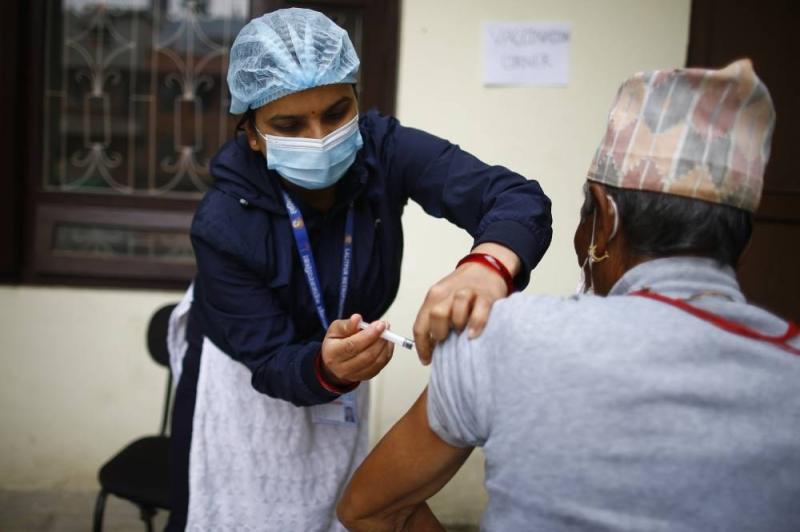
[{"x": 75, "y": 382}]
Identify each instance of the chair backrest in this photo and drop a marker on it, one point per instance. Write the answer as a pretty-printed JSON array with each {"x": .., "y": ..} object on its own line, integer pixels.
[{"x": 157, "y": 335}]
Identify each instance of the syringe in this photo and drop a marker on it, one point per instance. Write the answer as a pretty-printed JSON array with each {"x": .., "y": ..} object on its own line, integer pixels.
[{"x": 389, "y": 336}]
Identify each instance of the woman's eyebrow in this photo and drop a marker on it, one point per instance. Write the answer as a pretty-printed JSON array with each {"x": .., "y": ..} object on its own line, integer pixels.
[
  {"x": 277, "y": 118},
  {"x": 338, "y": 103}
]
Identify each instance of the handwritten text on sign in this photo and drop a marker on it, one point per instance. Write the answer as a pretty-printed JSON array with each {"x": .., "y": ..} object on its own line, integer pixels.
[{"x": 526, "y": 53}]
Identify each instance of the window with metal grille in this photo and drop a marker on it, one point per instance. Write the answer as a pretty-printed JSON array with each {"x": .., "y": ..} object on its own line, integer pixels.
[{"x": 124, "y": 103}]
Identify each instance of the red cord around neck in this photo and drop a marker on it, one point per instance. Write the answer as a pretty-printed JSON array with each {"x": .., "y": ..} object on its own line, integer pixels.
[{"x": 727, "y": 325}]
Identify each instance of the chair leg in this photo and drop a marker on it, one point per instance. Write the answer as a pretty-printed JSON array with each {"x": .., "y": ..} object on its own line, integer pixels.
[
  {"x": 99, "y": 510},
  {"x": 147, "y": 513}
]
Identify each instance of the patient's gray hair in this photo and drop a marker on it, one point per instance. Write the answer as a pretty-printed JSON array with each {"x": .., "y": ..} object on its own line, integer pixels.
[{"x": 662, "y": 225}]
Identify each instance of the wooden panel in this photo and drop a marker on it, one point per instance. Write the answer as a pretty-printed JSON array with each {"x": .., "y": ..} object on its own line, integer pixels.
[
  {"x": 769, "y": 269},
  {"x": 113, "y": 243},
  {"x": 766, "y": 32}
]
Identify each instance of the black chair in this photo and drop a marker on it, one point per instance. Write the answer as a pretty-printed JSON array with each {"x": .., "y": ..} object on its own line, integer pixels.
[{"x": 140, "y": 471}]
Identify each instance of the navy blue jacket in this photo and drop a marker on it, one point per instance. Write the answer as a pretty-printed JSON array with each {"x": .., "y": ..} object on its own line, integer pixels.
[{"x": 251, "y": 297}]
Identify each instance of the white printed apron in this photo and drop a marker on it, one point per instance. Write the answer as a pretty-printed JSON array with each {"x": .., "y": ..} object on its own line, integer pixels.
[{"x": 258, "y": 463}]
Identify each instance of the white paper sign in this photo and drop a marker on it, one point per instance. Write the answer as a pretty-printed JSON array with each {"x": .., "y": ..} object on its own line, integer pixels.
[{"x": 526, "y": 53}]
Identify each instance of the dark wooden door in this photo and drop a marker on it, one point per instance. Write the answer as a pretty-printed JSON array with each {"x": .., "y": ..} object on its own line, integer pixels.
[
  {"x": 10, "y": 143},
  {"x": 767, "y": 32}
]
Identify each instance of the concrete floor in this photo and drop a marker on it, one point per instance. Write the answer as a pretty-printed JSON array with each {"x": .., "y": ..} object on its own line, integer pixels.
[{"x": 57, "y": 511}]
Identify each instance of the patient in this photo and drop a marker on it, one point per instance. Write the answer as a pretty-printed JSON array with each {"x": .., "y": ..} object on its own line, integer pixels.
[{"x": 666, "y": 404}]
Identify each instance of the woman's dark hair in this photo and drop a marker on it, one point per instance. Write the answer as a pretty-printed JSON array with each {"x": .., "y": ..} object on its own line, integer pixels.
[
  {"x": 249, "y": 116},
  {"x": 661, "y": 225}
]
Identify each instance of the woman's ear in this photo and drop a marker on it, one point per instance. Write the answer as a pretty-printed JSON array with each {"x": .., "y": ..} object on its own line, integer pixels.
[{"x": 252, "y": 136}]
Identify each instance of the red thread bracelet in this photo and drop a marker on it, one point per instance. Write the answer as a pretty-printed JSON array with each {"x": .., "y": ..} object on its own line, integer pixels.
[
  {"x": 493, "y": 264},
  {"x": 329, "y": 386}
]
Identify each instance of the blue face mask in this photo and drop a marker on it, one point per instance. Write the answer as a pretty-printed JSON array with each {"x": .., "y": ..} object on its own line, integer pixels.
[{"x": 314, "y": 163}]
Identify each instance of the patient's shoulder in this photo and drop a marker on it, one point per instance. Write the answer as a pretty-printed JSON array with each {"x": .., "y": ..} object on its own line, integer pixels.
[
  {"x": 523, "y": 309},
  {"x": 549, "y": 321}
]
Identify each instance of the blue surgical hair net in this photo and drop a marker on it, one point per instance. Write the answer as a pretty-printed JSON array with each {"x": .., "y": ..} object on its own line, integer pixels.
[{"x": 287, "y": 51}]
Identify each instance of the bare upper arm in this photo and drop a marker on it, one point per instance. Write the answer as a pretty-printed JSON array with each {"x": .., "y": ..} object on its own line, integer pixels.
[{"x": 409, "y": 465}]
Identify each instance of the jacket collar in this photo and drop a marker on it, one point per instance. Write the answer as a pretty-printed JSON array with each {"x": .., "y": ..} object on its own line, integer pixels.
[{"x": 681, "y": 277}]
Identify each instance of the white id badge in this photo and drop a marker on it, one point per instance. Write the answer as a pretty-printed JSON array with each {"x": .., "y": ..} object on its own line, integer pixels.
[{"x": 341, "y": 411}]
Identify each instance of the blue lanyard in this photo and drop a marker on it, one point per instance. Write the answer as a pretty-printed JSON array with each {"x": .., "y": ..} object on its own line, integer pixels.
[{"x": 307, "y": 258}]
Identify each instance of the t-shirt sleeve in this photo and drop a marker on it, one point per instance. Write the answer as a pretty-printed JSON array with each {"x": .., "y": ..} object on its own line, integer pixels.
[{"x": 459, "y": 396}]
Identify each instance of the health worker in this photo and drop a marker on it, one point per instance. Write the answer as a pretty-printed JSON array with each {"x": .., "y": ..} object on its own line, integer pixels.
[{"x": 298, "y": 239}]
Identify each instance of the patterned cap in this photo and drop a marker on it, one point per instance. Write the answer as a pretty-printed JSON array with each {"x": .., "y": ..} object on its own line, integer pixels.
[{"x": 693, "y": 132}]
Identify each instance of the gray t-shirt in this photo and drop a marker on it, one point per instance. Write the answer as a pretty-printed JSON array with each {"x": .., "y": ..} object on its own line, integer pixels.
[{"x": 627, "y": 414}]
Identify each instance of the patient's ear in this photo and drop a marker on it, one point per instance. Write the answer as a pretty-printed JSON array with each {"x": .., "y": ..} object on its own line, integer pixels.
[
  {"x": 604, "y": 222},
  {"x": 612, "y": 254}
]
